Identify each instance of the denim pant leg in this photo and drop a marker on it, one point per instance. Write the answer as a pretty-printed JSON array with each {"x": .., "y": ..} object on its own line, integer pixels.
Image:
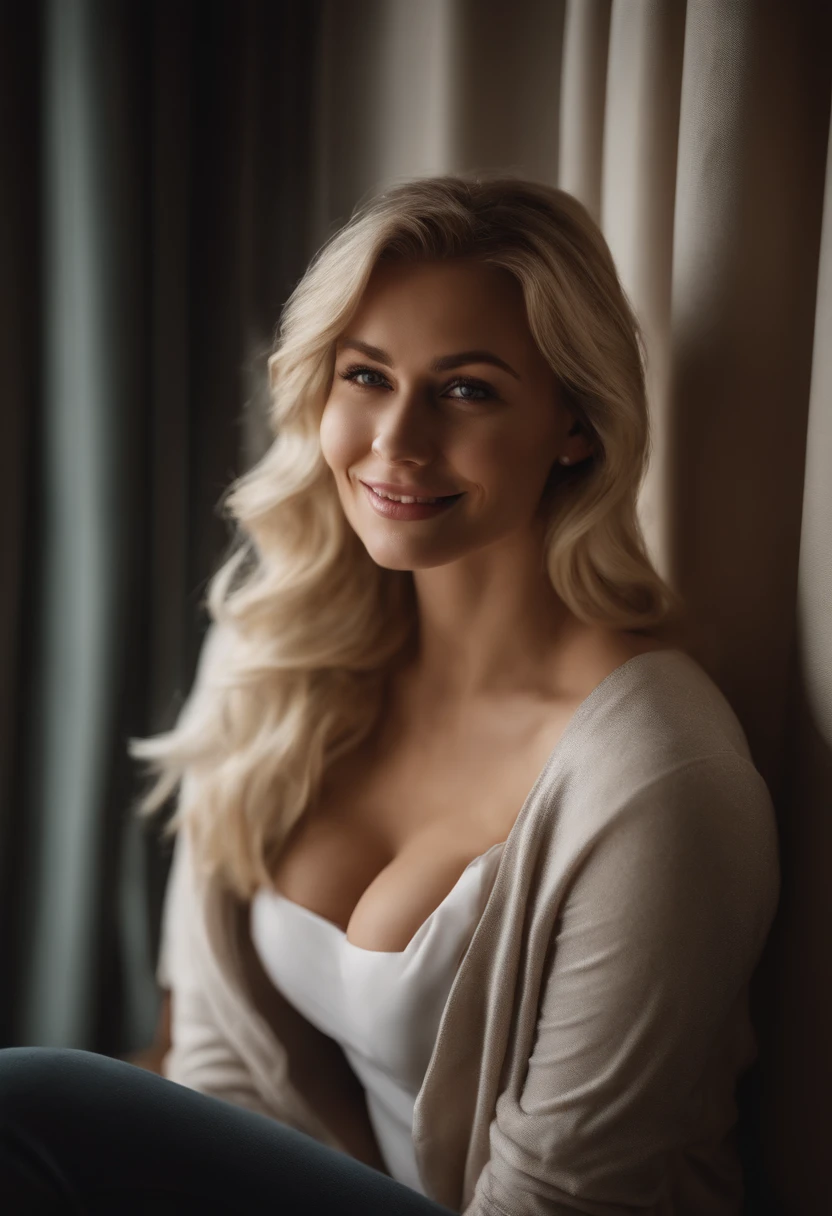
[{"x": 85, "y": 1134}]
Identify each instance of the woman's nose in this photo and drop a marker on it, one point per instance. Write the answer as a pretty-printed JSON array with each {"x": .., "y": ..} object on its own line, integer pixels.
[{"x": 407, "y": 427}]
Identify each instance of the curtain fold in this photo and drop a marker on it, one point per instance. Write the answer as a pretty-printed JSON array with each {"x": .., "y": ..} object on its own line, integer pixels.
[
  {"x": 91, "y": 344},
  {"x": 173, "y": 147},
  {"x": 174, "y": 169},
  {"x": 20, "y": 382},
  {"x": 796, "y": 999},
  {"x": 753, "y": 136}
]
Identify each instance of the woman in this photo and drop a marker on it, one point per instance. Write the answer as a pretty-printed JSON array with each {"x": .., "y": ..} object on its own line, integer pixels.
[{"x": 473, "y": 866}]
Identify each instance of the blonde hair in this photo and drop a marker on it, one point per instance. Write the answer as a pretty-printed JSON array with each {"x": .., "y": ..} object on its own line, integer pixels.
[{"x": 306, "y": 628}]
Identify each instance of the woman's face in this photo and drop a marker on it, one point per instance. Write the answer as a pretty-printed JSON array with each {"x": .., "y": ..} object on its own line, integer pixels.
[{"x": 488, "y": 431}]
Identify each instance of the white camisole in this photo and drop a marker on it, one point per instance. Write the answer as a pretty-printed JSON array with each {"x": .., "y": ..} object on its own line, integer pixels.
[{"x": 382, "y": 1007}]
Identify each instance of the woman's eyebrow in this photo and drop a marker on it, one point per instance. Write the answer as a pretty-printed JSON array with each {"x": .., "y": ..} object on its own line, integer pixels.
[{"x": 443, "y": 364}]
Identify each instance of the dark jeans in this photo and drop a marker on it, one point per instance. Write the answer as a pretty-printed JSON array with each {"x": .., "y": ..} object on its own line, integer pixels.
[{"x": 86, "y": 1134}]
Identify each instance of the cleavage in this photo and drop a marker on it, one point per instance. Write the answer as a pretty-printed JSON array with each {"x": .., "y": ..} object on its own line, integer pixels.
[{"x": 378, "y": 901}]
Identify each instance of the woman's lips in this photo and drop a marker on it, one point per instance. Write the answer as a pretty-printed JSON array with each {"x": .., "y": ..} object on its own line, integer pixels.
[{"x": 409, "y": 510}]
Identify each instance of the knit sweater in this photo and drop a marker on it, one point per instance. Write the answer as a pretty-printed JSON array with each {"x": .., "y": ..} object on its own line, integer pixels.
[{"x": 587, "y": 1056}]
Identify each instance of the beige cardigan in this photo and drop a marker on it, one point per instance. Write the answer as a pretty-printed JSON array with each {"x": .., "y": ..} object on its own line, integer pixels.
[{"x": 587, "y": 1056}]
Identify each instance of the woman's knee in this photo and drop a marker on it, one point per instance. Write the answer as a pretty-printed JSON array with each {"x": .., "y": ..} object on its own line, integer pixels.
[{"x": 34, "y": 1077}]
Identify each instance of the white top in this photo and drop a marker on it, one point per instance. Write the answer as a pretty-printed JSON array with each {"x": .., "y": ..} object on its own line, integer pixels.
[{"x": 383, "y": 1007}]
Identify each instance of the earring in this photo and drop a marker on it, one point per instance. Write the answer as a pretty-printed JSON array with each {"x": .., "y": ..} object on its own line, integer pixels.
[{"x": 565, "y": 459}]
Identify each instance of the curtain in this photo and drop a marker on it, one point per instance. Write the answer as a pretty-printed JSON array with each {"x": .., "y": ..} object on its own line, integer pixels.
[
  {"x": 168, "y": 172},
  {"x": 158, "y": 160}
]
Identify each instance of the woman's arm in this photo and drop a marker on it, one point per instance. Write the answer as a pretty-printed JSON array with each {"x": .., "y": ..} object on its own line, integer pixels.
[
  {"x": 659, "y": 933},
  {"x": 202, "y": 1054}
]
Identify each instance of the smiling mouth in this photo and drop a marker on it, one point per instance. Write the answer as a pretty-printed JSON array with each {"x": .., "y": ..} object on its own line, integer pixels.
[
  {"x": 395, "y": 509},
  {"x": 412, "y": 498}
]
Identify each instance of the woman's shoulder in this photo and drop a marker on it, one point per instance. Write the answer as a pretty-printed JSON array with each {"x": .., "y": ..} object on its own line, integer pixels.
[
  {"x": 669, "y": 707},
  {"x": 658, "y": 717}
]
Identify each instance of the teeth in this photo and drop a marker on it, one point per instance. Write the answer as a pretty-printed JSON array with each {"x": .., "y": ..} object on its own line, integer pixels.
[{"x": 393, "y": 498}]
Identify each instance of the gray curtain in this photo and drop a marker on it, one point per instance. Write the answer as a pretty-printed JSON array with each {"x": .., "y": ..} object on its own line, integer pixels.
[
  {"x": 158, "y": 168},
  {"x": 174, "y": 168}
]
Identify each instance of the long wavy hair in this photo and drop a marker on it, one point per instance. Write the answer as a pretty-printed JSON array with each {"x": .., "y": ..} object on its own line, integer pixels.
[{"x": 305, "y": 628}]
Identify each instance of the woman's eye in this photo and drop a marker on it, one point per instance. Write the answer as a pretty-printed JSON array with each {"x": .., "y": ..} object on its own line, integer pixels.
[
  {"x": 469, "y": 386},
  {"x": 472, "y": 388},
  {"x": 353, "y": 373}
]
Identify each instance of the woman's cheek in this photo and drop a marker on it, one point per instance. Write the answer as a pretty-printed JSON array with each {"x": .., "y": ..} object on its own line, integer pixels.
[{"x": 338, "y": 439}]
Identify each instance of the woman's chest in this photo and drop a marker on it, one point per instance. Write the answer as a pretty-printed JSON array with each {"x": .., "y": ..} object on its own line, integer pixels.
[{"x": 397, "y": 824}]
